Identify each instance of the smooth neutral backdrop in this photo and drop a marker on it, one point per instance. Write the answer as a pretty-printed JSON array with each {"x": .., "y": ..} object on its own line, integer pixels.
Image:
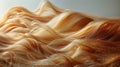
[{"x": 105, "y": 8}]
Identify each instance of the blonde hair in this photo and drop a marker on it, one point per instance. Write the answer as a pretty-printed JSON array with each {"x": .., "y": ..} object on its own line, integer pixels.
[{"x": 54, "y": 37}]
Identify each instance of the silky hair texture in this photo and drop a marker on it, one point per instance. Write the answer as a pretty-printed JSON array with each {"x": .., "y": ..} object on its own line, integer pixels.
[{"x": 54, "y": 37}]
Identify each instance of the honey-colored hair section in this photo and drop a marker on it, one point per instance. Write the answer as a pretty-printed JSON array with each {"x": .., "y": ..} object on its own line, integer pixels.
[
  {"x": 105, "y": 30},
  {"x": 54, "y": 37}
]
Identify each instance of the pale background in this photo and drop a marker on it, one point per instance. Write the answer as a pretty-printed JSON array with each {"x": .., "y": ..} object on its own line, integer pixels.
[{"x": 105, "y": 8}]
